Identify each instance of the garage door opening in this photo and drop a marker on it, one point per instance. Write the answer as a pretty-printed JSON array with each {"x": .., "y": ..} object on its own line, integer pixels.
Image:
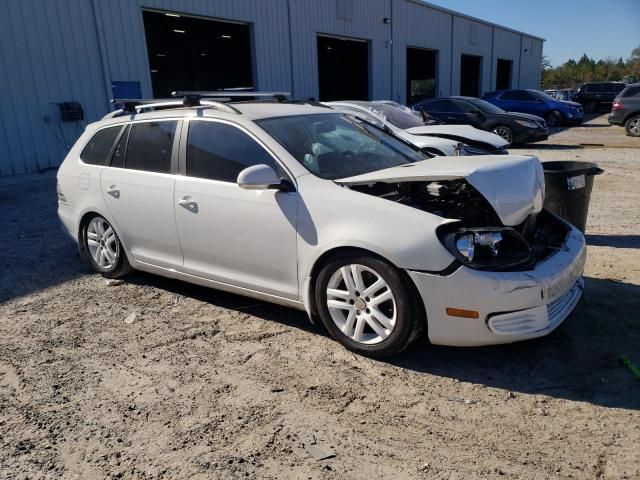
[
  {"x": 503, "y": 74},
  {"x": 470, "y": 74},
  {"x": 343, "y": 69},
  {"x": 421, "y": 74},
  {"x": 187, "y": 53}
]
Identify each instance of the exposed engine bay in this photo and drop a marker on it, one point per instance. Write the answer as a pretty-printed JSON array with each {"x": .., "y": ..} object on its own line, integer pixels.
[{"x": 536, "y": 238}]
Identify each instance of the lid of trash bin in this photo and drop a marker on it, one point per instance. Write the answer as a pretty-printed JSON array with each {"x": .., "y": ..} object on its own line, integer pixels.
[{"x": 570, "y": 167}]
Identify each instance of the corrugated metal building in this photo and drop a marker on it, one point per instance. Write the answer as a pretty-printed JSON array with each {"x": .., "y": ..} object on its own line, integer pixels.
[{"x": 89, "y": 51}]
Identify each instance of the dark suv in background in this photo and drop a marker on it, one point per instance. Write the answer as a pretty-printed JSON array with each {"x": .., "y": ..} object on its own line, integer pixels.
[
  {"x": 594, "y": 96},
  {"x": 626, "y": 110}
]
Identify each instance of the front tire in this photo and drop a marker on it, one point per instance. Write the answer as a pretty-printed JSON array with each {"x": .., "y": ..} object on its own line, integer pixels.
[
  {"x": 104, "y": 249},
  {"x": 504, "y": 132},
  {"x": 632, "y": 126},
  {"x": 364, "y": 304},
  {"x": 553, "y": 119}
]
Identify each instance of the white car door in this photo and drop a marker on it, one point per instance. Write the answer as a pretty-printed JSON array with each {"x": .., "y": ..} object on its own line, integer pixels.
[
  {"x": 245, "y": 238},
  {"x": 138, "y": 189}
]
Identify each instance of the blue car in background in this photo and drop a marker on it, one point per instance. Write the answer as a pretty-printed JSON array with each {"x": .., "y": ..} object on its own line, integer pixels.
[{"x": 535, "y": 102}]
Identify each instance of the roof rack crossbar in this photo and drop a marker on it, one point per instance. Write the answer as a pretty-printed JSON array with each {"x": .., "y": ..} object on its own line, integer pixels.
[{"x": 228, "y": 93}]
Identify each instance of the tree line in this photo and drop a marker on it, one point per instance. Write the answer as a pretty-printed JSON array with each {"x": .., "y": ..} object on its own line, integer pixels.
[{"x": 571, "y": 73}]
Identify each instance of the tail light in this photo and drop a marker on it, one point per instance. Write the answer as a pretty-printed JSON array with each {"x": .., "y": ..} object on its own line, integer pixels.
[
  {"x": 617, "y": 106},
  {"x": 61, "y": 197}
]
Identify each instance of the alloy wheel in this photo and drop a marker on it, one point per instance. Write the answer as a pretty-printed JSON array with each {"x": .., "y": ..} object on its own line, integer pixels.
[
  {"x": 553, "y": 119},
  {"x": 634, "y": 126},
  {"x": 503, "y": 132},
  {"x": 361, "y": 304},
  {"x": 102, "y": 243}
]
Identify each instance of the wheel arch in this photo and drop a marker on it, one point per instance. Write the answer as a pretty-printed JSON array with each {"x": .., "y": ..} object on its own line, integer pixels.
[
  {"x": 630, "y": 116},
  {"x": 336, "y": 252},
  {"x": 84, "y": 219}
]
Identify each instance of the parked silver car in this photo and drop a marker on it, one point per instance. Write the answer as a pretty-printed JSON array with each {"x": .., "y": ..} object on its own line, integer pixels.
[{"x": 318, "y": 210}]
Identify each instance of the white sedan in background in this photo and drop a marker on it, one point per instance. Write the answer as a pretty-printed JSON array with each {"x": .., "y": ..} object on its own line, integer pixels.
[
  {"x": 407, "y": 124},
  {"x": 318, "y": 210}
]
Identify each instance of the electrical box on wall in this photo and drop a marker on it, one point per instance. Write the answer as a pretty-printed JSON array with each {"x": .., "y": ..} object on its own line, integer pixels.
[{"x": 71, "y": 111}]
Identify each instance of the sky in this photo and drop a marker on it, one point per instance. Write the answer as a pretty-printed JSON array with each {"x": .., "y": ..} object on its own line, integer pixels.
[{"x": 599, "y": 28}]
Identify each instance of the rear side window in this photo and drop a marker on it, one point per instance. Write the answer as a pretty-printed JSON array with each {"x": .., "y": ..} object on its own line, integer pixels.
[
  {"x": 618, "y": 87},
  {"x": 97, "y": 150},
  {"x": 519, "y": 95},
  {"x": 149, "y": 146},
  {"x": 434, "y": 106},
  {"x": 631, "y": 92},
  {"x": 218, "y": 151}
]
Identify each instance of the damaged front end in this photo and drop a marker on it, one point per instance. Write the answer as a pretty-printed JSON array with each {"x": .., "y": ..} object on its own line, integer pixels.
[{"x": 497, "y": 224}]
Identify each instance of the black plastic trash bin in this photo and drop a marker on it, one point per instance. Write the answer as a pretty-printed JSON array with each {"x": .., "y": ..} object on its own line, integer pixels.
[{"x": 568, "y": 189}]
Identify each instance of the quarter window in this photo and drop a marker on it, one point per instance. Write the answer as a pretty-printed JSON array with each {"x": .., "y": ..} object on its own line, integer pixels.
[
  {"x": 218, "y": 151},
  {"x": 149, "y": 146},
  {"x": 97, "y": 150}
]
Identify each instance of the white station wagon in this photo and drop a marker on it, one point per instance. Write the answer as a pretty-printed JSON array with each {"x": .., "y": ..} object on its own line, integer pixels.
[{"x": 304, "y": 206}]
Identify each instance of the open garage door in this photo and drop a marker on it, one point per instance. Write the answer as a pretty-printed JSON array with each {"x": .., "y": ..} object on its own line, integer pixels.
[
  {"x": 470, "y": 75},
  {"x": 421, "y": 74},
  {"x": 343, "y": 69},
  {"x": 503, "y": 74},
  {"x": 187, "y": 53}
]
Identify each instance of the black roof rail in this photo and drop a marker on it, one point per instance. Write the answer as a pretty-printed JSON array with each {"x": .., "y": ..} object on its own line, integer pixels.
[{"x": 131, "y": 105}]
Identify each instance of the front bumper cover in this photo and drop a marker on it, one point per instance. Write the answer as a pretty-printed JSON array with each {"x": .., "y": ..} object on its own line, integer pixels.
[{"x": 512, "y": 306}]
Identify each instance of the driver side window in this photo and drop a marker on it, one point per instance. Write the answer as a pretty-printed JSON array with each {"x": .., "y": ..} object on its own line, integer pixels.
[{"x": 219, "y": 151}]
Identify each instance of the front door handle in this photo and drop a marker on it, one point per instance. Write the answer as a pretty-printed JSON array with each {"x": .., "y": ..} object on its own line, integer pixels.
[
  {"x": 114, "y": 191},
  {"x": 189, "y": 203}
]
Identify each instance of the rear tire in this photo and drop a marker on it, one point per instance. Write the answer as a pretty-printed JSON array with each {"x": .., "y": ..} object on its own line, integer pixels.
[
  {"x": 553, "y": 119},
  {"x": 591, "y": 107},
  {"x": 504, "y": 132},
  {"x": 365, "y": 305},
  {"x": 104, "y": 249},
  {"x": 632, "y": 126}
]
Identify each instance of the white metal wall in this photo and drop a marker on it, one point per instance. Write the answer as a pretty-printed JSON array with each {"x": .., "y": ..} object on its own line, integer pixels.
[
  {"x": 420, "y": 26},
  {"x": 49, "y": 51},
  {"x": 362, "y": 20},
  {"x": 506, "y": 46},
  {"x": 471, "y": 38},
  {"x": 531, "y": 55},
  {"x": 61, "y": 50}
]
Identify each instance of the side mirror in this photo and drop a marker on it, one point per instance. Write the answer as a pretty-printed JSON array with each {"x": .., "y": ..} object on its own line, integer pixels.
[{"x": 262, "y": 177}]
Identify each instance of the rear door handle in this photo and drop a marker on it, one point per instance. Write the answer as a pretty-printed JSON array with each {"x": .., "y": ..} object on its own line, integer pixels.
[
  {"x": 189, "y": 203},
  {"x": 114, "y": 191}
]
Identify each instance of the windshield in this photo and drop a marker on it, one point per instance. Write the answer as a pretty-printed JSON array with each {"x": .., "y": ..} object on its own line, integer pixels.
[
  {"x": 485, "y": 106},
  {"x": 332, "y": 145},
  {"x": 398, "y": 117}
]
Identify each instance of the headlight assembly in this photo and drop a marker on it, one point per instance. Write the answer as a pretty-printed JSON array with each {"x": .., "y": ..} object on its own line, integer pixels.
[
  {"x": 487, "y": 248},
  {"x": 527, "y": 123}
]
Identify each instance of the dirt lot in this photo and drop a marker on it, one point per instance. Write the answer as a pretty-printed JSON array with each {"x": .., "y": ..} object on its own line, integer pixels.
[{"x": 211, "y": 385}]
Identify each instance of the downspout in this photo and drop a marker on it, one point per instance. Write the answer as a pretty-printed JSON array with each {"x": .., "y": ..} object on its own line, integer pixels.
[
  {"x": 520, "y": 62},
  {"x": 106, "y": 74},
  {"x": 451, "y": 66},
  {"x": 493, "y": 58},
  {"x": 293, "y": 90},
  {"x": 392, "y": 46}
]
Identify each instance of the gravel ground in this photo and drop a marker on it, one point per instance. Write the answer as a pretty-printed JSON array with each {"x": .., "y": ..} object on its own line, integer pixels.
[{"x": 211, "y": 385}]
